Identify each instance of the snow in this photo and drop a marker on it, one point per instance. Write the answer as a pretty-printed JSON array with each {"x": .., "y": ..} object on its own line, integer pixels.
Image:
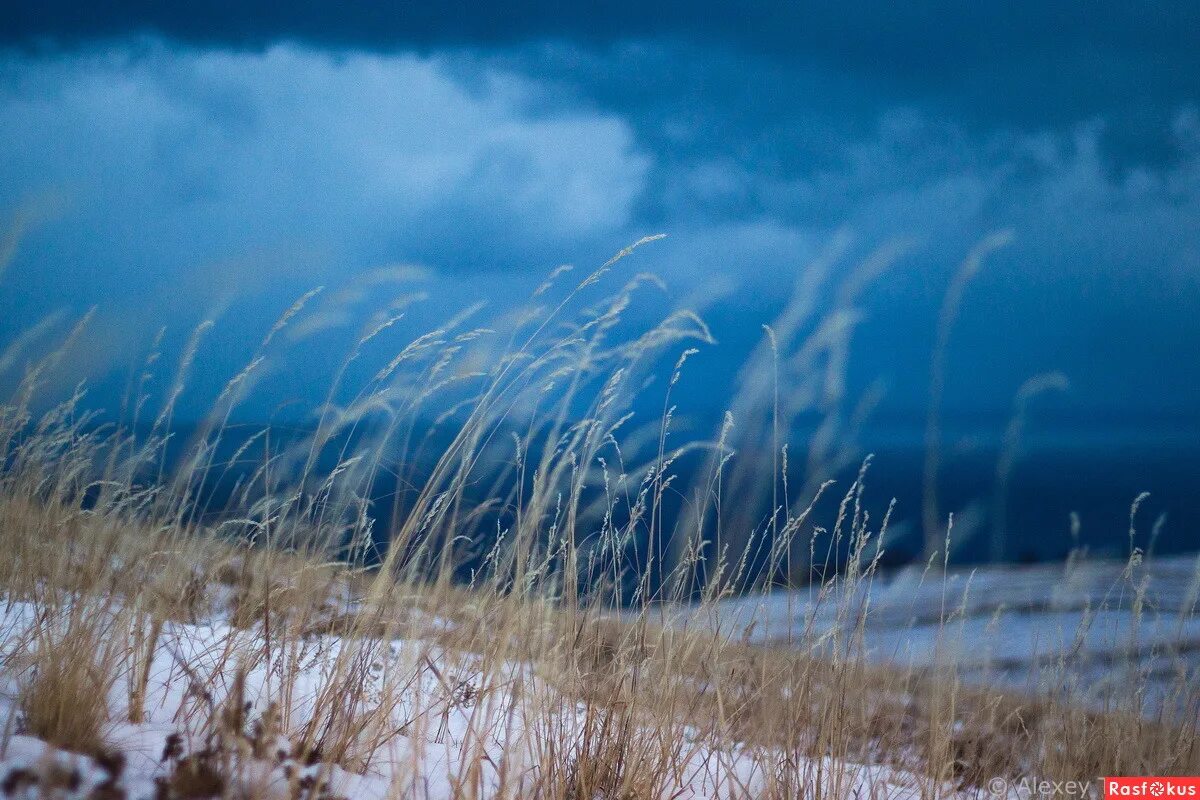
[
  {"x": 1085, "y": 625},
  {"x": 448, "y": 716},
  {"x": 448, "y": 721}
]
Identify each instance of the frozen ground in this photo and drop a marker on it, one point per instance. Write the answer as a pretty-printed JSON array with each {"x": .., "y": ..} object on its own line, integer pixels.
[
  {"x": 452, "y": 727},
  {"x": 1074, "y": 629}
]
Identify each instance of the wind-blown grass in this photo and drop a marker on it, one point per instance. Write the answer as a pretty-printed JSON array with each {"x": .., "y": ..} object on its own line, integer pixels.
[{"x": 549, "y": 594}]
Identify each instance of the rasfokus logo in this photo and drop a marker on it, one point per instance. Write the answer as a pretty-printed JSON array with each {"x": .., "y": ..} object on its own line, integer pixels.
[{"x": 1152, "y": 787}]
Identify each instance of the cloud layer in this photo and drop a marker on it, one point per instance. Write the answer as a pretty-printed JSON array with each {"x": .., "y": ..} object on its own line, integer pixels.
[{"x": 174, "y": 177}]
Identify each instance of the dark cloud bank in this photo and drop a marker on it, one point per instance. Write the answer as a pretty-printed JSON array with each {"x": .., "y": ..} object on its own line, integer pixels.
[{"x": 185, "y": 160}]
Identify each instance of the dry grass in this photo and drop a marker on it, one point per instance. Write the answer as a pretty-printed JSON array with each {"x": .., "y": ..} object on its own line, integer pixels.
[
  {"x": 527, "y": 593},
  {"x": 60, "y": 701}
]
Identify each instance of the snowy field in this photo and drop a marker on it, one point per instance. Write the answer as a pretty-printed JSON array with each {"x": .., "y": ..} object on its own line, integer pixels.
[
  {"x": 1072, "y": 629},
  {"x": 458, "y": 728},
  {"x": 454, "y": 726}
]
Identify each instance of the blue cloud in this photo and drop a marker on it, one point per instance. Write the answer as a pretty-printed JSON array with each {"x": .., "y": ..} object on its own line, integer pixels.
[{"x": 190, "y": 177}]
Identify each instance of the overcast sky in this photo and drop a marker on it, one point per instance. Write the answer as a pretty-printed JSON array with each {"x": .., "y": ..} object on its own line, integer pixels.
[{"x": 168, "y": 159}]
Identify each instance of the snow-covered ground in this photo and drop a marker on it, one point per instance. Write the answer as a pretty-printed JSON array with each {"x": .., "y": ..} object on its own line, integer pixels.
[
  {"x": 452, "y": 726},
  {"x": 450, "y": 722},
  {"x": 1077, "y": 629}
]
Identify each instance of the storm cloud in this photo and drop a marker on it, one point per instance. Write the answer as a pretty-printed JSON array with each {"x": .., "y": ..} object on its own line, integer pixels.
[{"x": 254, "y": 151}]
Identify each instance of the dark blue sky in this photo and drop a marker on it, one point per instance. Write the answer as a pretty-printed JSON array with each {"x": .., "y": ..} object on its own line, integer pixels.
[{"x": 174, "y": 161}]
